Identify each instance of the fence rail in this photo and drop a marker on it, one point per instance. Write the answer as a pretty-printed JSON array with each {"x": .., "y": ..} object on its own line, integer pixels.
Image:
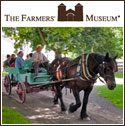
[{"x": 120, "y": 67}]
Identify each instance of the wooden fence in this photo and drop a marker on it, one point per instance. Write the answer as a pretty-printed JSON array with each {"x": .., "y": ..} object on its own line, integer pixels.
[{"x": 120, "y": 67}]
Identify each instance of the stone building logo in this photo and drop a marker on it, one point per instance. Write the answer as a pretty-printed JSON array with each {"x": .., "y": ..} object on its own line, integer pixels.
[{"x": 70, "y": 15}]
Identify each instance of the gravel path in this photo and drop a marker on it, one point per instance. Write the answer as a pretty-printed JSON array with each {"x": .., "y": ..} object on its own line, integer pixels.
[{"x": 39, "y": 109}]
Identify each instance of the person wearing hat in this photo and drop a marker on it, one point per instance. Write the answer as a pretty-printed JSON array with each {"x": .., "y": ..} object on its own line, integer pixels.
[{"x": 38, "y": 58}]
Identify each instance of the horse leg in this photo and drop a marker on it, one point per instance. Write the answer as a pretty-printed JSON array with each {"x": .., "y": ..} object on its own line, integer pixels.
[
  {"x": 55, "y": 100},
  {"x": 85, "y": 101},
  {"x": 73, "y": 107},
  {"x": 59, "y": 95}
]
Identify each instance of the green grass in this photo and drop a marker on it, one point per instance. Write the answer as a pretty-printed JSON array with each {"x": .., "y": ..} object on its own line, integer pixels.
[
  {"x": 115, "y": 96},
  {"x": 119, "y": 75},
  {"x": 4, "y": 73},
  {"x": 10, "y": 116}
]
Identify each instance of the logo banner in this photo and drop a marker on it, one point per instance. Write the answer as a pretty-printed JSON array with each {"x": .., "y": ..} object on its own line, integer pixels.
[{"x": 62, "y": 13}]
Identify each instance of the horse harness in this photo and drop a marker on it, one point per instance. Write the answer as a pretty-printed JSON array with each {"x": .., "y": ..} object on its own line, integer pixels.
[{"x": 82, "y": 70}]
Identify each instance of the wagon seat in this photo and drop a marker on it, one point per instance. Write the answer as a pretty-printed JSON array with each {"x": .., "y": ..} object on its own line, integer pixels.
[{"x": 28, "y": 67}]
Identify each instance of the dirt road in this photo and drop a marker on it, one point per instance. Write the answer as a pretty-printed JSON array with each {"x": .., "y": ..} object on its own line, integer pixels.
[{"x": 39, "y": 109}]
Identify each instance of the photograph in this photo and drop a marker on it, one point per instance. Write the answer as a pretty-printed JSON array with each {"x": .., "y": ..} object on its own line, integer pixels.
[
  {"x": 53, "y": 71},
  {"x": 62, "y": 62}
]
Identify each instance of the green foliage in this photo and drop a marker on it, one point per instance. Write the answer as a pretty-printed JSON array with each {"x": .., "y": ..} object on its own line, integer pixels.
[
  {"x": 10, "y": 116},
  {"x": 100, "y": 40},
  {"x": 115, "y": 96},
  {"x": 70, "y": 41},
  {"x": 119, "y": 75}
]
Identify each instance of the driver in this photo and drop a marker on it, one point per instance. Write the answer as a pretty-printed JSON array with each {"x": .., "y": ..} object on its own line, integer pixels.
[{"x": 38, "y": 58}]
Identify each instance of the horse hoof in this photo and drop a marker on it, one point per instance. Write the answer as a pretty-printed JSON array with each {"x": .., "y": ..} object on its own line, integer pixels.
[
  {"x": 67, "y": 112},
  {"x": 87, "y": 119},
  {"x": 70, "y": 108},
  {"x": 71, "y": 104},
  {"x": 63, "y": 109}
]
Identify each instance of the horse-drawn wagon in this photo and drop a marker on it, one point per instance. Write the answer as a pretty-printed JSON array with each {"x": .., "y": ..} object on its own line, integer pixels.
[
  {"x": 79, "y": 74},
  {"x": 26, "y": 81}
]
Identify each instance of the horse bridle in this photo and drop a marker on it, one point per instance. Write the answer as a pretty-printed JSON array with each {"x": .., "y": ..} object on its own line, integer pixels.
[{"x": 103, "y": 67}]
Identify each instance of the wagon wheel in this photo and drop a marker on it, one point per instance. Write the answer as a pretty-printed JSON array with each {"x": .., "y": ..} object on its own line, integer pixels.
[
  {"x": 7, "y": 84},
  {"x": 21, "y": 91}
]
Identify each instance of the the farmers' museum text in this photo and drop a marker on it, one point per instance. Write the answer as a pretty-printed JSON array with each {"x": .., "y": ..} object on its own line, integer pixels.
[{"x": 26, "y": 18}]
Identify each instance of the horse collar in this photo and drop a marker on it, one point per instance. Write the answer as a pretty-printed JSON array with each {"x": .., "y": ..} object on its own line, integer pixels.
[{"x": 85, "y": 74}]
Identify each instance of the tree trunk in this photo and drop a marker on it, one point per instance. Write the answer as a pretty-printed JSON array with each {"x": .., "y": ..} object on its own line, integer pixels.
[
  {"x": 41, "y": 36},
  {"x": 92, "y": 48},
  {"x": 58, "y": 54}
]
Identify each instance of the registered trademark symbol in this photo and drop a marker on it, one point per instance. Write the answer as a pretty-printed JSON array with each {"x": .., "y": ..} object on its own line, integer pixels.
[{"x": 118, "y": 16}]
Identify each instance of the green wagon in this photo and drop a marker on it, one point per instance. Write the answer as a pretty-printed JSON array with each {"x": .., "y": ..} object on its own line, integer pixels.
[{"x": 26, "y": 81}]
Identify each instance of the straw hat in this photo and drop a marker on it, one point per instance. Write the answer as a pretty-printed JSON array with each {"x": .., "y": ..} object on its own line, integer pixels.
[{"x": 38, "y": 46}]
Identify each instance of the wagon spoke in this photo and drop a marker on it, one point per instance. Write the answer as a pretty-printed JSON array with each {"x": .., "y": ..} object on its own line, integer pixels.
[{"x": 21, "y": 91}]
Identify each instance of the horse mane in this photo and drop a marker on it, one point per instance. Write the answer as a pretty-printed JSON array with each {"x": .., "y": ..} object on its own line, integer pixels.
[
  {"x": 100, "y": 58},
  {"x": 65, "y": 61},
  {"x": 97, "y": 57},
  {"x": 59, "y": 60}
]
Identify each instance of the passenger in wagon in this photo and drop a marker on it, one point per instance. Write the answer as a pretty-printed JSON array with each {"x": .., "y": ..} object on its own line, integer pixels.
[
  {"x": 19, "y": 60},
  {"x": 30, "y": 59},
  {"x": 31, "y": 54},
  {"x": 12, "y": 61},
  {"x": 38, "y": 58},
  {"x": 27, "y": 57},
  {"x": 6, "y": 63}
]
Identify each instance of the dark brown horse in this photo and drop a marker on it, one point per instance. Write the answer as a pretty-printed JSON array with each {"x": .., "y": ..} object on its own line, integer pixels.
[{"x": 85, "y": 70}]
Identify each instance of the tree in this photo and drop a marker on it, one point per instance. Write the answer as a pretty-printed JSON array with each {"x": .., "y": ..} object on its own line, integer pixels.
[
  {"x": 100, "y": 40},
  {"x": 51, "y": 37},
  {"x": 69, "y": 40}
]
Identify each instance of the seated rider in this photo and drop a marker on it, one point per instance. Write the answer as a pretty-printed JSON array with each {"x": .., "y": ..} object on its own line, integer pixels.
[
  {"x": 38, "y": 58},
  {"x": 19, "y": 60},
  {"x": 12, "y": 61},
  {"x": 27, "y": 57},
  {"x": 31, "y": 54},
  {"x": 7, "y": 61}
]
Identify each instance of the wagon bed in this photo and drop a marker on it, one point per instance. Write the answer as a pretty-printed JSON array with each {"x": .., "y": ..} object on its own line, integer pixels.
[{"x": 19, "y": 75}]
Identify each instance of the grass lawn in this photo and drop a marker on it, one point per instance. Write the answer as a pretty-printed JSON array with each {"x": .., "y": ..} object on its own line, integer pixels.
[
  {"x": 4, "y": 73},
  {"x": 119, "y": 75},
  {"x": 10, "y": 116},
  {"x": 115, "y": 96}
]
